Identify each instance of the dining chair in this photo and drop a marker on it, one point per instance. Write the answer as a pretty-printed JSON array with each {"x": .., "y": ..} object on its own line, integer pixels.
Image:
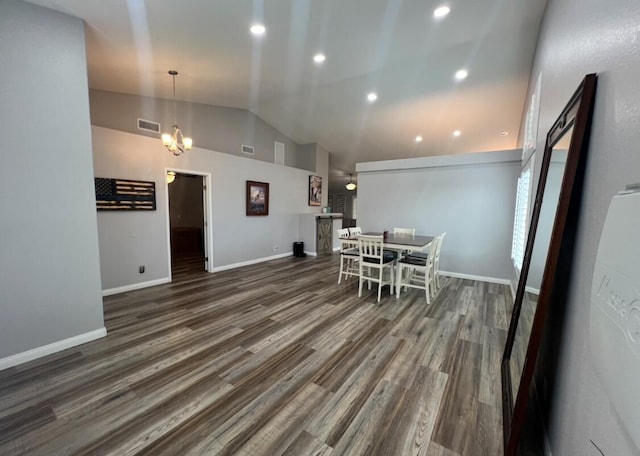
[
  {"x": 409, "y": 231},
  {"x": 355, "y": 231},
  {"x": 349, "y": 255},
  {"x": 436, "y": 260},
  {"x": 417, "y": 272},
  {"x": 373, "y": 257}
]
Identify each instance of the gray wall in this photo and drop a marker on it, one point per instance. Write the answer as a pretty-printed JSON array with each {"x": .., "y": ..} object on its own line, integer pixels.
[
  {"x": 579, "y": 37},
  {"x": 307, "y": 156},
  {"x": 49, "y": 276},
  {"x": 130, "y": 239},
  {"x": 473, "y": 203},
  {"x": 211, "y": 127},
  {"x": 545, "y": 222}
]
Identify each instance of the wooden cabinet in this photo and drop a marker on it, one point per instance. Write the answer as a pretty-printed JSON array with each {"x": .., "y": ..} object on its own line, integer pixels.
[
  {"x": 324, "y": 235},
  {"x": 318, "y": 231}
]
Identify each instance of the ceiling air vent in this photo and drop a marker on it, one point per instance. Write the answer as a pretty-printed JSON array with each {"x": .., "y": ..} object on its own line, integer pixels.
[
  {"x": 147, "y": 125},
  {"x": 247, "y": 150}
]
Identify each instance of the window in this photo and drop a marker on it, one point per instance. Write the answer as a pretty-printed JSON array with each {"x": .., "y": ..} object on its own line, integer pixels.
[{"x": 521, "y": 216}]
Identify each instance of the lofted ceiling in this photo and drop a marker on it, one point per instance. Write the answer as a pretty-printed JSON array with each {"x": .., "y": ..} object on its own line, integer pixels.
[{"x": 393, "y": 47}]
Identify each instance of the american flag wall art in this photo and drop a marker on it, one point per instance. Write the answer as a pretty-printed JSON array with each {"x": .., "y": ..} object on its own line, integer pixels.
[{"x": 125, "y": 195}]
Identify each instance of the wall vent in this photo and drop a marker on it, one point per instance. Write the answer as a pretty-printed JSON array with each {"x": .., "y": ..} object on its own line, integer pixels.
[
  {"x": 247, "y": 150},
  {"x": 278, "y": 158},
  {"x": 148, "y": 125}
]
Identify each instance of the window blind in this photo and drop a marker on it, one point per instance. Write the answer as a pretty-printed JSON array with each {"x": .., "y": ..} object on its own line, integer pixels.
[{"x": 520, "y": 219}]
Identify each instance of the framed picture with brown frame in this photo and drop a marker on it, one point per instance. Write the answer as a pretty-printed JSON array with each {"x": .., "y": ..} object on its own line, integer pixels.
[
  {"x": 257, "y": 198},
  {"x": 315, "y": 191}
]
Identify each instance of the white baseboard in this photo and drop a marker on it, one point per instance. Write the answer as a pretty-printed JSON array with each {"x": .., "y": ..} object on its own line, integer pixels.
[
  {"x": 337, "y": 249},
  {"x": 535, "y": 291},
  {"x": 49, "y": 349},
  {"x": 311, "y": 253},
  {"x": 135, "y": 286},
  {"x": 250, "y": 262},
  {"x": 476, "y": 277}
]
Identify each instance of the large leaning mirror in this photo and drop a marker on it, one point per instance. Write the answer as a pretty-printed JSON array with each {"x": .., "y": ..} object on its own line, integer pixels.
[{"x": 549, "y": 243}]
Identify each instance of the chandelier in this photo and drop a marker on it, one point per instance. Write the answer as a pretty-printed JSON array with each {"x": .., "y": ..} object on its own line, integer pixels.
[
  {"x": 177, "y": 143},
  {"x": 351, "y": 185}
]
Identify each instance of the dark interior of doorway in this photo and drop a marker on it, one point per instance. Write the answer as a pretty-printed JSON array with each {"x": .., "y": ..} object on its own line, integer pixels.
[{"x": 186, "y": 224}]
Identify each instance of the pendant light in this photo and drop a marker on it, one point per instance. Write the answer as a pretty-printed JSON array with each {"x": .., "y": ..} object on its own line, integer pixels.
[
  {"x": 351, "y": 185},
  {"x": 176, "y": 142}
]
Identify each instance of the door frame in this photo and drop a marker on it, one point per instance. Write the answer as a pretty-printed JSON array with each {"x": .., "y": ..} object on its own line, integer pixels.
[{"x": 208, "y": 216}]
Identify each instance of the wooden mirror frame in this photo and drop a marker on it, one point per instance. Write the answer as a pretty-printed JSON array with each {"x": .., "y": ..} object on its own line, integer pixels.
[{"x": 577, "y": 115}]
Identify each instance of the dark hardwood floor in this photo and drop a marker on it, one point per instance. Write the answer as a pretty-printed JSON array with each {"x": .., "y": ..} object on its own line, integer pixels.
[{"x": 270, "y": 359}]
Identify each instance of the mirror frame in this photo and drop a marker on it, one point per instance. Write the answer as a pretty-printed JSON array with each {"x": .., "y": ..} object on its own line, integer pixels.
[{"x": 577, "y": 114}]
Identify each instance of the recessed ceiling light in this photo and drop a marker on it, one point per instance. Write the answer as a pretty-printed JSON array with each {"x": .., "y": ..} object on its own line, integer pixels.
[
  {"x": 372, "y": 96},
  {"x": 418, "y": 139},
  {"x": 461, "y": 74},
  {"x": 258, "y": 29},
  {"x": 457, "y": 133},
  {"x": 319, "y": 58},
  {"x": 504, "y": 133},
  {"x": 441, "y": 11}
]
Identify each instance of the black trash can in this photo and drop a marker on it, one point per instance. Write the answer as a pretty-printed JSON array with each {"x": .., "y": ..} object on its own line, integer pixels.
[{"x": 298, "y": 249}]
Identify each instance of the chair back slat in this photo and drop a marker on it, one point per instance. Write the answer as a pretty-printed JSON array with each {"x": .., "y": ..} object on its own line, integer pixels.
[
  {"x": 371, "y": 248},
  {"x": 408, "y": 231}
]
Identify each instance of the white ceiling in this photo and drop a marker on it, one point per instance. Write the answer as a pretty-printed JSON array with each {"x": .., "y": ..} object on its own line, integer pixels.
[{"x": 393, "y": 47}]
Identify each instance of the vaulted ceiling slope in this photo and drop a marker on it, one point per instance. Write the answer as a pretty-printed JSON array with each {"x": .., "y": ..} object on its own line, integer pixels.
[{"x": 395, "y": 48}]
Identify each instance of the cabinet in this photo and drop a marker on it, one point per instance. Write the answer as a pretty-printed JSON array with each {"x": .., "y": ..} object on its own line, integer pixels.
[
  {"x": 324, "y": 237},
  {"x": 319, "y": 232}
]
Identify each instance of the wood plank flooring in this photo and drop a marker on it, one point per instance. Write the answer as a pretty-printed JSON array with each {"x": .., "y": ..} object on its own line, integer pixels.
[{"x": 270, "y": 359}]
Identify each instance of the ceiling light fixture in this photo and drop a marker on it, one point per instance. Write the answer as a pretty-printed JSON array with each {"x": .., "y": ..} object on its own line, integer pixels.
[
  {"x": 418, "y": 139},
  {"x": 457, "y": 133},
  {"x": 441, "y": 11},
  {"x": 350, "y": 186},
  {"x": 176, "y": 142},
  {"x": 171, "y": 176},
  {"x": 461, "y": 74},
  {"x": 372, "y": 96},
  {"x": 258, "y": 29},
  {"x": 319, "y": 58},
  {"x": 504, "y": 133}
]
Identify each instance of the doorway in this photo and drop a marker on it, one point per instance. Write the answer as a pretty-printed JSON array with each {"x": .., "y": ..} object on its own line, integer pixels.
[{"x": 186, "y": 194}]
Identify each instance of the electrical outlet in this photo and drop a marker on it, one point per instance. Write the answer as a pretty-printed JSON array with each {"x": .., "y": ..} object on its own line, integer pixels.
[
  {"x": 141, "y": 269},
  {"x": 275, "y": 247}
]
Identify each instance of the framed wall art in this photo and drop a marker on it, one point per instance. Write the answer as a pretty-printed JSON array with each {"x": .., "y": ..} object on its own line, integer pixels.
[
  {"x": 124, "y": 195},
  {"x": 315, "y": 191},
  {"x": 257, "y": 198}
]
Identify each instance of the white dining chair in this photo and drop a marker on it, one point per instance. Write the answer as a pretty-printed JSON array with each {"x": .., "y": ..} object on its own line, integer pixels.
[
  {"x": 408, "y": 231},
  {"x": 417, "y": 272},
  {"x": 436, "y": 260},
  {"x": 349, "y": 255},
  {"x": 376, "y": 264},
  {"x": 355, "y": 231}
]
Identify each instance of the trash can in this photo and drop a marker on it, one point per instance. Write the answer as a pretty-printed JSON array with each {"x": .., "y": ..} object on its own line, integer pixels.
[{"x": 298, "y": 249}]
